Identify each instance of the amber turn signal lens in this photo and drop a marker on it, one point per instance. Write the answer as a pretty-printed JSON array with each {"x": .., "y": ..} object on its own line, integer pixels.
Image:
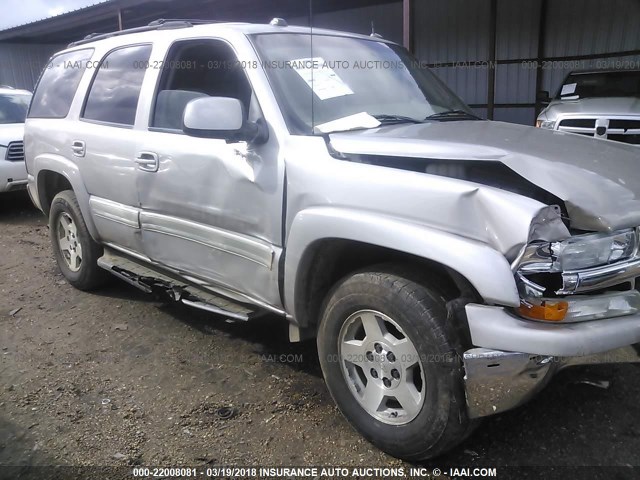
[{"x": 548, "y": 311}]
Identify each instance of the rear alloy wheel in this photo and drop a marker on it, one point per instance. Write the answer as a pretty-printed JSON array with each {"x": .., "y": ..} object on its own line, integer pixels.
[
  {"x": 75, "y": 251},
  {"x": 67, "y": 240},
  {"x": 390, "y": 361}
]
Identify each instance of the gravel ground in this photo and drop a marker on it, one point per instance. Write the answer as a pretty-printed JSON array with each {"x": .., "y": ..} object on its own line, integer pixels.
[{"x": 115, "y": 378}]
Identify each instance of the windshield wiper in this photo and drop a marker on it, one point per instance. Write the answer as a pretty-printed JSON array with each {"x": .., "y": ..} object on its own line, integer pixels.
[
  {"x": 385, "y": 119},
  {"x": 451, "y": 114}
]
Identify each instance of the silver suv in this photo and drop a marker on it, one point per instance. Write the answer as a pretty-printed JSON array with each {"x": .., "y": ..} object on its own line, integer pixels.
[
  {"x": 448, "y": 266},
  {"x": 600, "y": 104}
]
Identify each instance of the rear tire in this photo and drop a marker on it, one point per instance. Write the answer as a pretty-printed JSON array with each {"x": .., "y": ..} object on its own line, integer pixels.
[
  {"x": 390, "y": 362},
  {"x": 75, "y": 251}
]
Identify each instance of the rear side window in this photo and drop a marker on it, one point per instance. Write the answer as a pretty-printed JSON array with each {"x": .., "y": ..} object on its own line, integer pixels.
[
  {"x": 58, "y": 84},
  {"x": 115, "y": 91}
]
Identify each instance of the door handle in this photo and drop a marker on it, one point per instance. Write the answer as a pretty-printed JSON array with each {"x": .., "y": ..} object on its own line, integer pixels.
[
  {"x": 148, "y": 161},
  {"x": 78, "y": 148}
]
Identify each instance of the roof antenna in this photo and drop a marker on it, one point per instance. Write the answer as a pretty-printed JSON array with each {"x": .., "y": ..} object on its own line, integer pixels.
[{"x": 373, "y": 31}]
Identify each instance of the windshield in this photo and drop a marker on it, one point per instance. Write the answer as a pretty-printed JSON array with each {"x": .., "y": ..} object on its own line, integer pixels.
[
  {"x": 13, "y": 108},
  {"x": 602, "y": 84},
  {"x": 357, "y": 83}
]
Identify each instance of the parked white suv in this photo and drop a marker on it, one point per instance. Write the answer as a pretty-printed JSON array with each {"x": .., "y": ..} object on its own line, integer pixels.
[
  {"x": 448, "y": 266},
  {"x": 13, "y": 110}
]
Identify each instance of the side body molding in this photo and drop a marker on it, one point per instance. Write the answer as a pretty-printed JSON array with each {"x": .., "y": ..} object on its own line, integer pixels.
[
  {"x": 485, "y": 268},
  {"x": 68, "y": 169}
]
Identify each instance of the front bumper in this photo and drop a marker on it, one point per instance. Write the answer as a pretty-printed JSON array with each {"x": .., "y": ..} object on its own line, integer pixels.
[
  {"x": 496, "y": 328},
  {"x": 516, "y": 358},
  {"x": 13, "y": 176}
]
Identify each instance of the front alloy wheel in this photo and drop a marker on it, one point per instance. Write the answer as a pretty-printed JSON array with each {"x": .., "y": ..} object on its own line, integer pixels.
[
  {"x": 382, "y": 367},
  {"x": 389, "y": 357}
]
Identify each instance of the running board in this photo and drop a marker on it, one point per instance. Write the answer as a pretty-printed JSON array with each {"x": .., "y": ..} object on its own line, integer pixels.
[{"x": 152, "y": 281}]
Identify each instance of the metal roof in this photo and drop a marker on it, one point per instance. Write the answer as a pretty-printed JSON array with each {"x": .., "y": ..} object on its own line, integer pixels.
[
  {"x": 20, "y": 25},
  {"x": 105, "y": 17}
]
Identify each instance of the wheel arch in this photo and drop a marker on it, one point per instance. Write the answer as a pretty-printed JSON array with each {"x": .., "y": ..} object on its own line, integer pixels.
[
  {"x": 325, "y": 244},
  {"x": 55, "y": 174}
]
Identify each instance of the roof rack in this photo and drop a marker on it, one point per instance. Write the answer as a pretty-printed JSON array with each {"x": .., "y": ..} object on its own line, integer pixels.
[{"x": 160, "y": 24}]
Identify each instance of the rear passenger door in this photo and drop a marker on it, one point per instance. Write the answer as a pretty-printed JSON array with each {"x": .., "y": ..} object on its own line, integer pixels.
[{"x": 105, "y": 145}]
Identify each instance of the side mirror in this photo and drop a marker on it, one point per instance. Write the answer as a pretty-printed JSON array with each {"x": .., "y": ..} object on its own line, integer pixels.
[
  {"x": 223, "y": 118},
  {"x": 543, "y": 97}
]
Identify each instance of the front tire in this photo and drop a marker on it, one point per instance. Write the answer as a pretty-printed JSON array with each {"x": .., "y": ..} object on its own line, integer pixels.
[
  {"x": 75, "y": 251},
  {"x": 390, "y": 363}
]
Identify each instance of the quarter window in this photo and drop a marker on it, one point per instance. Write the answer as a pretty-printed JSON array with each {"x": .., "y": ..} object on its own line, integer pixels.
[
  {"x": 115, "y": 91},
  {"x": 58, "y": 84}
]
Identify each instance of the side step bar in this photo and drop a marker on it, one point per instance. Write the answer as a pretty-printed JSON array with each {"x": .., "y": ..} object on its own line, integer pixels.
[{"x": 152, "y": 281}]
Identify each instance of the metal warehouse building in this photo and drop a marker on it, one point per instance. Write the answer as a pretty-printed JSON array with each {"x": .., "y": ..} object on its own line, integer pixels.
[{"x": 496, "y": 54}]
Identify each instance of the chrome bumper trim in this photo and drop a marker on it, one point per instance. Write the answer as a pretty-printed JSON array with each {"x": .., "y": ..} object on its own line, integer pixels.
[
  {"x": 601, "y": 277},
  {"x": 496, "y": 381}
]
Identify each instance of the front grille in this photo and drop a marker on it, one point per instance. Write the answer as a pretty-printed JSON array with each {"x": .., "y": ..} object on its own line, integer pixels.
[
  {"x": 15, "y": 152},
  {"x": 624, "y": 124},
  {"x": 579, "y": 122},
  {"x": 632, "y": 139},
  {"x": 625, "y": 130}
]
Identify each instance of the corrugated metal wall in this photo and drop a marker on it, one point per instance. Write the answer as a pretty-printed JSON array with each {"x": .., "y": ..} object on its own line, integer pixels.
[
  {"x": 455, "y": 31},
  {"x": 604, "y": 28},
  {"x": 455, "y": 36},
  {"x": 20, "y": 65},
  {"x": 387, "y": 20}
]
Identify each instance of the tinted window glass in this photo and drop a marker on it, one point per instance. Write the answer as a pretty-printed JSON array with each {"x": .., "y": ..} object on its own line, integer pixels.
[
  {"x": 58, "y": 84},
  {"x": 116, "y": 88},
  {"x": 13, "y": 108}
]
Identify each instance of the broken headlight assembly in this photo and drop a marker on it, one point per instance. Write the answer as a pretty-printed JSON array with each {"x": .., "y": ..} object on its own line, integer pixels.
[{"x": 552, "y": 276}]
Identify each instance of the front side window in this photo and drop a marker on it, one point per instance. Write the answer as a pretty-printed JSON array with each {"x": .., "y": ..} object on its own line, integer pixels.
[
  {"x": 13, "y": 108},
  {"x": 195, "y": 69},
  {"x": 58, "y": 84},
  {"x": 115, "y": 91},
  {"x": 329, "y": 79}
]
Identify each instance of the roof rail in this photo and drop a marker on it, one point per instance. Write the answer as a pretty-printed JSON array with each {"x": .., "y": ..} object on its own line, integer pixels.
[
  {"x": 160, "y": 24},
  {"x": 192, "y": 21}
]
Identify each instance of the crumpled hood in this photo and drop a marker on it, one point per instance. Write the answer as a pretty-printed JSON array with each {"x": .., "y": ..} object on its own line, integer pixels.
[
  {"x": 595, "y": 106},
  {"x": 598, "y": 180},
  {"x": 11, "y": 132}
]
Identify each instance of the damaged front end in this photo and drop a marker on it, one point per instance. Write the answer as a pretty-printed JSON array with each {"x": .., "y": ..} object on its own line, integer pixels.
[
  {"x": 562, "y": 210},
  {"x": 553, "y": 277},
  {"x": 578, "y": 305}
]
